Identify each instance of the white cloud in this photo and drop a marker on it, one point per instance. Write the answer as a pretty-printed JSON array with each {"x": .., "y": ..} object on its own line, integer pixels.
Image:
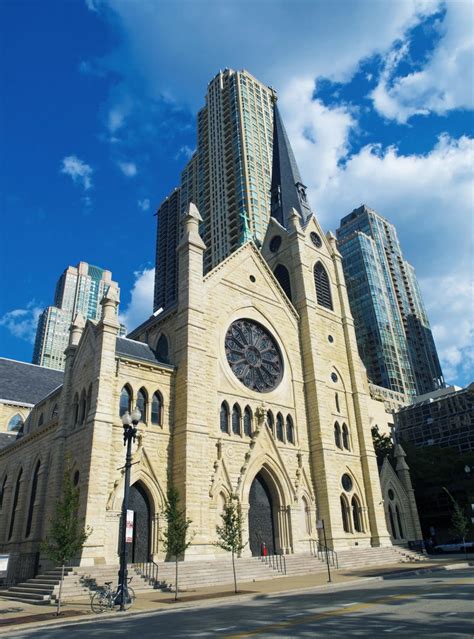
[
  {"x": 22, "y": 322},
  {"x": 79, "y": 171},
  {"x": 445, "y": 82},
  {"x": 453, "y": 325},
  {"x": 141, "y": 303},
  {"x": 185, "y": 152},
  {"x": 144, "y": 204},
  {"x": 129, "y": 169},
  {"x": 312, "y": 38}
]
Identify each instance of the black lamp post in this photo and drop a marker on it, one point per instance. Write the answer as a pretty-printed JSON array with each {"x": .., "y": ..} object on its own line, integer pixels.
[{"x": 130, "y": 423}]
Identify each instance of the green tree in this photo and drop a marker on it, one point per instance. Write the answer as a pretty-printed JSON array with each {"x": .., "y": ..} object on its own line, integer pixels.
[
  {"x": 459, "y": 522},
  {"x": 67, "y": 535},
  {"x": 230, "y": 533},
  {"x": 176, "y": 534},
  {"x": 383, "y": 444}
]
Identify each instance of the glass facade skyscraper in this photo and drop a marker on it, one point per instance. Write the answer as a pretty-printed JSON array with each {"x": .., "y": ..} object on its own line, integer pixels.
[
  {"x": 393, "y": 332},
  {"x": 79, "y": 290},
  {"x": 228, "y": 177}
]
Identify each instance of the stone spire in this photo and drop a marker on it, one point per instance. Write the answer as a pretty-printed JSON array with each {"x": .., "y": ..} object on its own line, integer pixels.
[{"x": 287, "y": 190}]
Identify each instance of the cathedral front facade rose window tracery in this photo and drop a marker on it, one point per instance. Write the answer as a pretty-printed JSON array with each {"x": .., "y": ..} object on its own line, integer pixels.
[{"x": 253, "y": 355}]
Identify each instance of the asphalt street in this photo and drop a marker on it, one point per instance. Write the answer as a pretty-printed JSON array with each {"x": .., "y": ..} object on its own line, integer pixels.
[{"x": 440, "y": 604}]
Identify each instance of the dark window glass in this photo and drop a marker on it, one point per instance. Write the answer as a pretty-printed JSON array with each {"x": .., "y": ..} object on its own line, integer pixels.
[
  {"x": 40, "y": 420},
  {"x": 89, "y": 400},
  {"x": 345, "y": 437},
  {"x": 323, "y": 288},
  {"x": 392, "y": 522},
  {"x": 2, "y": 491},
  {"x": 248, "y": 422},
  {"x": 271, "y": 422},
  {"x": 337, "y": 435},
  {"x": 142, "y": 403},
  {"x": 162, "y": 349},
  {"x": 76, "y": 478},
  {"x": 236, "y": 420},
  {"x": 156, "y": 409},
  {"x": 54, "y": 412},
  {"x": 279, "y": 427},
  {"x": 15, "y": 423},
  {"x": 34, "y": 486},
  {"x": 15, "y": 503},
  {"x": 82, "y": 411},
  {"x": 290, "y": 432},
  {"x": 75, "y": 409},
  {"x": 315, "y": 239},
  {"x": 283, "y": 277},
  {"x": 224, "y": 418},
  {"x": 334, "y": 377},
  {"x": 345, "y": 514},
  {"x": 338, "y": 410},
  {"x": 356, "y": 514},
  {"x": 275, "y": 243},
  {"x": 346, "y": 482},
  {"x": 391, "y": 494},
  {"x": 399, "y": 521},
  {"x": 125, "y": 400}
]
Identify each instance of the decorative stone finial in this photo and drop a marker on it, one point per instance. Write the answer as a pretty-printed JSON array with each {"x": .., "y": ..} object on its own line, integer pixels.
[
  {"x": 109, "y": 303},
  {"x": 76, "y": 329},
  {"x": 191, "y": 222}
]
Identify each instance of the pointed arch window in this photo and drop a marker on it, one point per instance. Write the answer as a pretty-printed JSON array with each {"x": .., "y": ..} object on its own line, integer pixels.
[
  {"x": 2, "y": 491},
  {"x": 338, "y": 409},
  {"x": 15, "y": 503},
  {"x": 356, "y": 514},
  {"x": 224, "y": 418},
  {"x": 323, "y": 287},
  {"x": 346, "y": 524},
  {"x": 82, "y": 409},
  {"x": 248, "y": 421},
  {"x": 54, "y": 412},
  {"x": 142, "y": 403},
  {"x": 290, "y": 431},
  {"x": 392, "y": 522},
  {"x": 337, "y": 435},
  {"x": 345, "y": 437},
  {"x": 34, "y": 487},
  {"x": 279, "y": 427},
  {"x": 40, "y": 420},
  {"x": 75, "y": 409},
  {"x": 399, "y": 522},
  {"x": 162, "y": 349},
  {"x": 157, "y": 409},
  {"x": 283, "y": 277},
  {"x": 89, "y": 400},
  {"x": 271, "y": 422},
  {"x": 15, "y": 423},
  {"x": 125, "y": 400},
  {"x": 236, "y": 420}
]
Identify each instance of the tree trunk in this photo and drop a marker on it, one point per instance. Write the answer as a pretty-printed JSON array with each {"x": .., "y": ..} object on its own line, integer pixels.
[
  {"x": 233, "y": 568},
  {"x": 60, "y": 591},
  {"x": 176, "y": 580}
]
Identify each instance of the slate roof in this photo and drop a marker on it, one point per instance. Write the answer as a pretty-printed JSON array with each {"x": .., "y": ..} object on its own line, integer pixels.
[
  {"x": 27, "y": 383},
  {"x": 285, "y": 176},
  {"x": 6, "y": 439},
  {"x": 136, "y": 350}
]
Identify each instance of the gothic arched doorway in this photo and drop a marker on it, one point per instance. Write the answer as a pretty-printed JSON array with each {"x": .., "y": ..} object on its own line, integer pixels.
[
  {"x": 261, "y": 526},
  {"x": 139, "y": 549}
]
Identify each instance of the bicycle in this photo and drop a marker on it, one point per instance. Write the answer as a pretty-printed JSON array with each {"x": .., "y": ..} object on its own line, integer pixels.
[{"x": 108, "y": 598}]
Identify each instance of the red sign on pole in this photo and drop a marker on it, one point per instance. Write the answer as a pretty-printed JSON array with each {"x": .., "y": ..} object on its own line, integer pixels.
[{"x": 129, "y": 527}]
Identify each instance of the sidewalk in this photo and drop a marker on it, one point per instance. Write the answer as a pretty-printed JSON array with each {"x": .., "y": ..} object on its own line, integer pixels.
[{"x": 16, "y": 615}]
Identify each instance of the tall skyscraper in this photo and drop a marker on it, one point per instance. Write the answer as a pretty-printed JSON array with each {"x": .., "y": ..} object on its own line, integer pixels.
[
  {"x": 79, "y": 290},
  {"x": 393, "y": 332},
  {"x": 228, "y": 177}
]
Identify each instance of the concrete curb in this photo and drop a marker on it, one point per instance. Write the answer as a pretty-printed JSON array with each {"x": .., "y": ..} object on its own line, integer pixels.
[{"x": 221, "y": 601}]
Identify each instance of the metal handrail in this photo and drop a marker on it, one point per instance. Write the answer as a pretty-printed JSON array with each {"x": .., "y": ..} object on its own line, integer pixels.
[
  {"x": 326, "y": 554},
  {"x": 149, "y": 570},
  {"x": 276, "y": 561}
]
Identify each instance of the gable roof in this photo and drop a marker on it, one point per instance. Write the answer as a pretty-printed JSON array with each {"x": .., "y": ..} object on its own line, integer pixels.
[
  {"x": 27, "y": 383},
  {"x": 136, "y": 350}
]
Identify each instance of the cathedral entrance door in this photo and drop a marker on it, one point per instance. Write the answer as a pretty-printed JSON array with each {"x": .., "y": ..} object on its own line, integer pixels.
[
  {"x": 139, "y": 549},
  {"x": 261, "y": 529}
]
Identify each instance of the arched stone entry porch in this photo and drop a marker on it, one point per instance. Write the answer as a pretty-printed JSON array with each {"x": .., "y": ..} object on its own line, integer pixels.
[
  {"x": 141, "y": 546},
  {"x": 261, "y": 517},
  {"x": 267, "y": 514}
]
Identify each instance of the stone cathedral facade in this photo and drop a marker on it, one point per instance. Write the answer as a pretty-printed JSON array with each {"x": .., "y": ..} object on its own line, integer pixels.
[{"x": 250, "y": 385}]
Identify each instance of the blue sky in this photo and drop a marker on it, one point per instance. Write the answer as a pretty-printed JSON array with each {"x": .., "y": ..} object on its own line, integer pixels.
[{"x": 97, "y": 118}]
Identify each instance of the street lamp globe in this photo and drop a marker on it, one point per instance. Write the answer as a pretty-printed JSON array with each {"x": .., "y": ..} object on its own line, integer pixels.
[
  {"x": 126, "y": 419},
  {"x": 136, "y": 415}
]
